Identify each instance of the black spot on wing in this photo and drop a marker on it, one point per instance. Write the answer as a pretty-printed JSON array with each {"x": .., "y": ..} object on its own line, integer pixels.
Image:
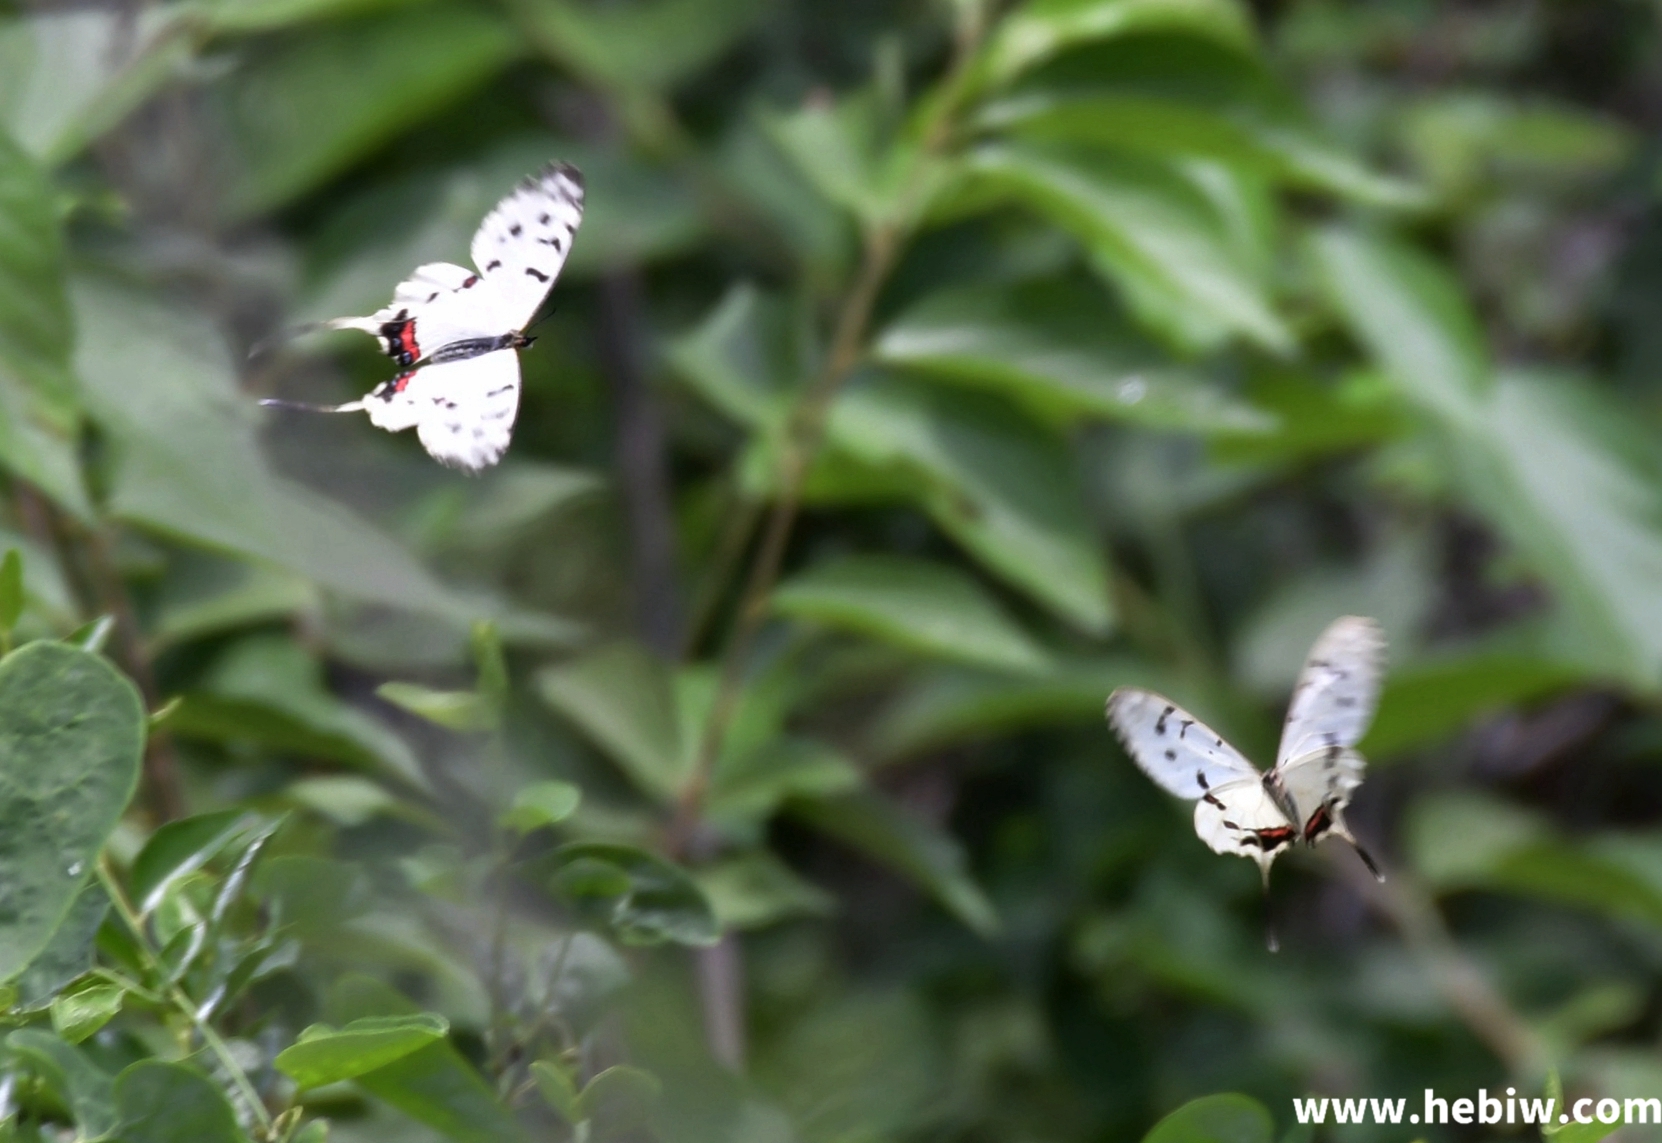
[{"x": 536, "y": 273}]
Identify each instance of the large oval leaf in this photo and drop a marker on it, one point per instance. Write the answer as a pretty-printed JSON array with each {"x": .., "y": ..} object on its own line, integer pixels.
[{"x": 71, "y": 740}]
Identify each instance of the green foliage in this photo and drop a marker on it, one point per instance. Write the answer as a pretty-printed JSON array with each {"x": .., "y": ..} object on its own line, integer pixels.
[
  {"x": 71, "y": 733},
  {"x": 324, "y": 1055},
  {"x": 728, "y": 764}
]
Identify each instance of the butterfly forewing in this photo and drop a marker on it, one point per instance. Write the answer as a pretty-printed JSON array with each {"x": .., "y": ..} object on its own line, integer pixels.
[
  {"x": 1334, "y": 699},
  {"x": 1182, "y": 754},
  {"x": 522, "y": 244}
]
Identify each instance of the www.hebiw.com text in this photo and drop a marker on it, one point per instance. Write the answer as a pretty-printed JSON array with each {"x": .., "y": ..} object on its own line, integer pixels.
[{"x": 1484, "y": 1108}]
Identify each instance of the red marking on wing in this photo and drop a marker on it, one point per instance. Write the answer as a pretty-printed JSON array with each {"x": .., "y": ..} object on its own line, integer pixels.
[
  {"x": 403, "y": 379},
  {"x": 407, "y": 341},
  {"x": 1277, "y": 835},
  {"x": 1320, "y": 822}
]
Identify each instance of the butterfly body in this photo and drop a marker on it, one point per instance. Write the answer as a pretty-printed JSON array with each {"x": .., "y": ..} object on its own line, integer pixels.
[
  {"x": 1261, "y": 814},
  {"x": 455, "y": 332}
]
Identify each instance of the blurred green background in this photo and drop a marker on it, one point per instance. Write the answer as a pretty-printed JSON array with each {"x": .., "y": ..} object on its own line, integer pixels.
[{"x": 923, "y": 371}]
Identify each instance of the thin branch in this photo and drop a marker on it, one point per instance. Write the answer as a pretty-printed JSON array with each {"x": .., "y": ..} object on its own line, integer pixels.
[
  {"x": 1478, "y": 1004},
  {"x": 641, "y": 461},
  {"x": 802, "y": 441}
]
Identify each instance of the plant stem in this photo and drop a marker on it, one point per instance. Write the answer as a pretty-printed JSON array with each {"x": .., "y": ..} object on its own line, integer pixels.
[
  {"x": 1411, "y": 910},
  {"x": 802, "y": 440},
  {"x": 181, "y": 1001}
]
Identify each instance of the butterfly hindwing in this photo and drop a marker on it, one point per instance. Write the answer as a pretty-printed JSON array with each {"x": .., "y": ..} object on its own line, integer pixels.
[
  {"x": 1334, "y": 699},
  {"x": 1243, "y": 819},
  {"x": 1182, "y": 754},
  {"x": 463, "y": 410}
]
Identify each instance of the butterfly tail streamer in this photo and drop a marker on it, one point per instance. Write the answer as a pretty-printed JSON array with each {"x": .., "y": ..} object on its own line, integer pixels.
[
  {"x": 304, "y": 407},
  {"x": 294, "y": 332},
  {"x": 1367, "y": 860}
]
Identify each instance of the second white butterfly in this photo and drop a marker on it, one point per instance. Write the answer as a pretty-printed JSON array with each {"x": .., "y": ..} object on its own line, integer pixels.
[{"x": 1260, "y": 814}]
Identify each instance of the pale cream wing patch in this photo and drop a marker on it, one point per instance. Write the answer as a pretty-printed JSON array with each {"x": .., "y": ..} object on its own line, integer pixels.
[
  {"x": 1338, "y": 690},
  {"x": 1241, "y": 818}
]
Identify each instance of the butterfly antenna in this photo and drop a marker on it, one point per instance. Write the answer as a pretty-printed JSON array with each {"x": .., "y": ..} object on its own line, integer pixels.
[
  {"x": 546, "y": 314},
  {"x": 279, "y": 403}
]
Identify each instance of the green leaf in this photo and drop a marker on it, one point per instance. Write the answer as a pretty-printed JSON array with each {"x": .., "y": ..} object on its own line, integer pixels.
[
  {"x": 619, "y": 1099},
  {"x": 947, "y": 705},
  {"x": 93, "y": 635},
  {"x": 187, "y": 461},
  {"x": 844, "y": 153},
  {"x": 1060, "y": 349},
  {"x": 916, "y": 850},
  {"x": 1042, "y": 29},
  {"x": 71, "y": 739},
  {"x": 11, "y": 591},
  {"x": 73, "y": 75},
  {"x": 269, "y": 690},
  {"x": 302, "y": 112},
  {"x": 643, "y": 898},
  {"x": 542, "y": 804},
  {"x": 80, "y": 1011},
  {"x": 1274, "y": 147},
  {"x": 324, "y": 1055},
  {"x": 69, "y": 953},
  {"x": 433, "y": 1085},
  {"x": 1425, "y": 702},
  {"x": 1150, "y": 231},
  {"x": 1572, "y": 481},
  {"x": 651, "y": 46},
  {"x": 751, "y": 781},
  {"x": 622, "y": 697},
  {"x": 455, "y": 710},
  {"x": 930, "y": 609},
  {"x": 747, "y": 357},
  {"x": 164, "y": 1103},
  {"x": 1410, "y": 314},
  {"x": 179, "y": 849},
  {"x": 556, "y": 1086},
  {"x": 756, "y": 889},
  {"x": 997, "y": 484},
  {"x": 1215, "y": 1119},
  {"x": 84, "y": 1088},
  {"x": 241, "y": 16},
  {"x": 1563, "y": 474},
  {"x": 38, "y": 415},
  {"x": 1571, "y": 1132}
]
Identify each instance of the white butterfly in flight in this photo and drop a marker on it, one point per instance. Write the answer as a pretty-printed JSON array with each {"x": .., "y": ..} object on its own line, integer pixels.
[
  {"x": 454, "y": 331},
  {"x": 1259, "y": 814}
]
